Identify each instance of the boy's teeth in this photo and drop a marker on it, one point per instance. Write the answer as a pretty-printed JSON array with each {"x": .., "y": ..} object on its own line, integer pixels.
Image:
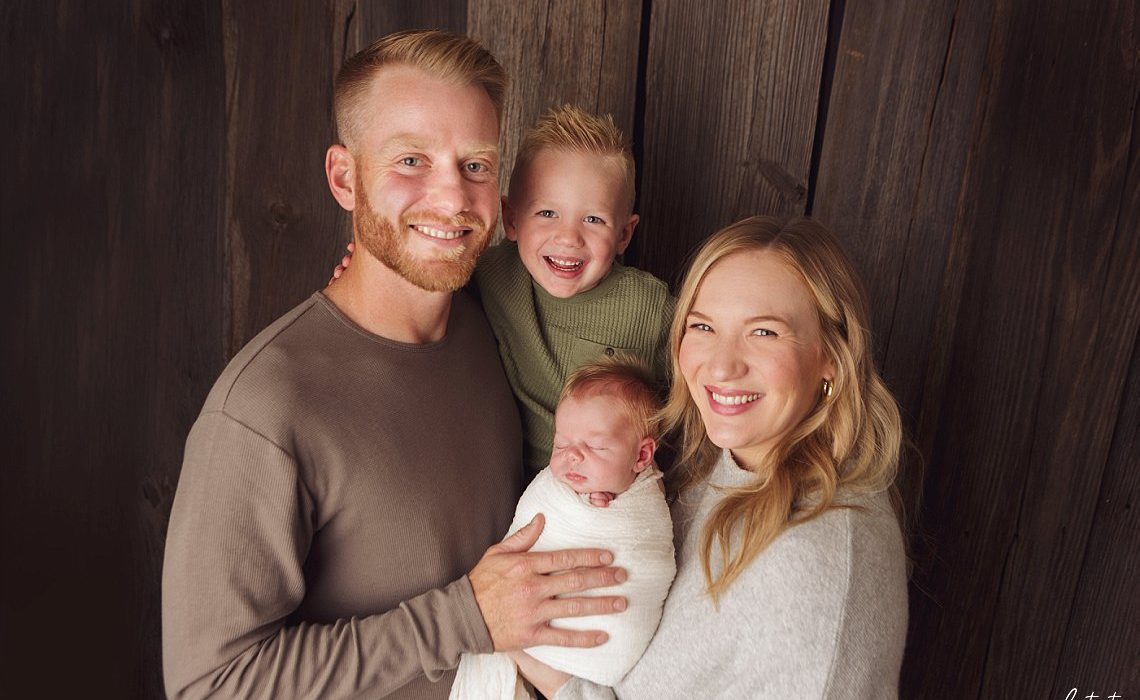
[
  {"x": 734, "y": 400},
  {"x": 436, "y": 233},
  {"x": 565, "y": 263}
]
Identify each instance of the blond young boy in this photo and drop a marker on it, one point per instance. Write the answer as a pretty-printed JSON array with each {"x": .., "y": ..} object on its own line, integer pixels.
[{"x": 553, "y": 292}]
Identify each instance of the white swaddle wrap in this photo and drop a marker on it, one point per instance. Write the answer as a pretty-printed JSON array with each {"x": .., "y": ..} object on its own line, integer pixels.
[{"x": 636, "y": 527}]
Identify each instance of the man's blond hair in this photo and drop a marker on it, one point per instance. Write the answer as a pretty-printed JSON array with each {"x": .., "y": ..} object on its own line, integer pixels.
[
  {"x": 443, "y": 55},
  {"x": 624, "y": 377},
  {"x": 570, "y": 128}
]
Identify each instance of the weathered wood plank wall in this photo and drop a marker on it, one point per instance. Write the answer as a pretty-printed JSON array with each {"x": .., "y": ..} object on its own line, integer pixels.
[{"x": 164, "y": 200}]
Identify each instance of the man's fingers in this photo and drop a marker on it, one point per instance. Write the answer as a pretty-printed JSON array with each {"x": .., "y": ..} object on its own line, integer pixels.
[
  {"x": 556, "y": 636},
  {"x": 576, "y": 580},
  {"x": 582, "y": 606},
  {"x": 565, "y": 559}
]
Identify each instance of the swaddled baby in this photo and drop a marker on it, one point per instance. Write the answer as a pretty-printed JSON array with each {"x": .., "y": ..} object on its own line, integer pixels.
[{"x": 601, "y": 489}]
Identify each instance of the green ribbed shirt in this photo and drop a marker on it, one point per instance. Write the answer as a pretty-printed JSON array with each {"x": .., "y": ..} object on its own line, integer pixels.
[{"x": 543, "y": 339}]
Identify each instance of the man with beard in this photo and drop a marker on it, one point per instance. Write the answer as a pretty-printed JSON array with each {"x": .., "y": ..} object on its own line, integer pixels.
[{"x": 356, "y": 457}]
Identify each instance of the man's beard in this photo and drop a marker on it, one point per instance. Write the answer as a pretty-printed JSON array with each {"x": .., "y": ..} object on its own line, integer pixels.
[{"x": 445, "y": 273}]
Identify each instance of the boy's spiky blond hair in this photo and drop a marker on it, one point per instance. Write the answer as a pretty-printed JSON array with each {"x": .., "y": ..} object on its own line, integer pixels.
[{"x": 570, "y": 128}]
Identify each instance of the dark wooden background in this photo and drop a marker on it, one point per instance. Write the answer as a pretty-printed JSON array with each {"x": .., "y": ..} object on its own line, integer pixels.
[{"x": 163, "y": 200}]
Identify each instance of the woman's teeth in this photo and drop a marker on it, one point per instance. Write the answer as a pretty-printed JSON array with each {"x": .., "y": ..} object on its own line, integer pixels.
[{"x": 734, "y": 400}]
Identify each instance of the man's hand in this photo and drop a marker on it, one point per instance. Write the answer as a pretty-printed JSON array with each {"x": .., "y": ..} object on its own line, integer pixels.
[
  {"x": 601, "y": 499},
  {"x": 517, "y": 591}
]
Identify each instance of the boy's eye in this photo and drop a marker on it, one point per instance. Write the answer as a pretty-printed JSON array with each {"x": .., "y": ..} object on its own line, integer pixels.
[
  {"x": 591, "y": 219},
  {"x": 547, "y": 214}
]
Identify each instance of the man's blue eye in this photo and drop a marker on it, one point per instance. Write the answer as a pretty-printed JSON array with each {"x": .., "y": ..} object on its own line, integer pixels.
[
  {"x": 476, "y": 167},
  {"x": 410, "y": 160}
]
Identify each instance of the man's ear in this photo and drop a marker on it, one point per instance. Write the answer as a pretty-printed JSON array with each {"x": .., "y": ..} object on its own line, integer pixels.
[
  {"x": 509, "y": 220},
  {"x": 340, "y": 170},
  {"x": 645, "y": 452},
  {"x": 627, "y": 233}
]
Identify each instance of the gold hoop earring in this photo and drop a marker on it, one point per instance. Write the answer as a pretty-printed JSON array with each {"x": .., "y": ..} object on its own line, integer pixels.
[{"x": 828, "y": 388}]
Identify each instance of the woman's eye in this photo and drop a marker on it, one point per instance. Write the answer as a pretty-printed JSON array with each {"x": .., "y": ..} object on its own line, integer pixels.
[
  {"x": 591, "y": 219},
  {"x": 763, "y": 332},
  {"x": 700, "y": 327},
  {"x": 547, "y": 214},
  {"x": 410, "y": 161}
]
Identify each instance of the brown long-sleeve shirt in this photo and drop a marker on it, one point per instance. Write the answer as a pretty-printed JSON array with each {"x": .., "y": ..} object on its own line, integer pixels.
[{"x": 335, "y": 489}]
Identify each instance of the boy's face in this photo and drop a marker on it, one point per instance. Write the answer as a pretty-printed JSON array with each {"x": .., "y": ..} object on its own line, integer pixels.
[
  {"x": 570, "y": 218},
  {"x": 596, "y": 447}
]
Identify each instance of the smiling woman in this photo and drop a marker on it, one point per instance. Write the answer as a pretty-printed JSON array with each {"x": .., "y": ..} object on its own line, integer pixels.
[{"x": 791, "y": 577}]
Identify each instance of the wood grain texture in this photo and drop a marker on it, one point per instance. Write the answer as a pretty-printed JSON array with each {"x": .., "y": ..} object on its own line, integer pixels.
[
  {"x": 557, "y": 52},
  {"x": 1035, "y": 363},
  {"x": 900, "y": 113},
  {"x": 731, "y": 100},
  {"x": 1103, "y": 633},
  {"x": 111, "y": 234},
  {"x": 283, "y": 228},
  {"x": 1093, "y": 290},
  {"x": 1102, "y": 640},
  {"x": 377, "y": 19}
]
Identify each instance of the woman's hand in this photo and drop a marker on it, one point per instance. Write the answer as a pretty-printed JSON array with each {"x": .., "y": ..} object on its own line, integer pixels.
[
  {"x": 344, "y": 263},
  {"x": 546, "y": 679}
]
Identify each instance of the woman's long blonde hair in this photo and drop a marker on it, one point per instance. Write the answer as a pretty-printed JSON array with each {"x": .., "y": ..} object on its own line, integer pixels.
[{"x": 850, "y": 440}]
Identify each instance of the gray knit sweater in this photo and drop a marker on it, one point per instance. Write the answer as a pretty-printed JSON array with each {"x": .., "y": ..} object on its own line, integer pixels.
[{"x": 821, "y": 613}]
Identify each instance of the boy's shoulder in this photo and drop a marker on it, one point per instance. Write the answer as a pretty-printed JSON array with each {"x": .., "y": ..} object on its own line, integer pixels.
[{"x": 628, "y": 279}]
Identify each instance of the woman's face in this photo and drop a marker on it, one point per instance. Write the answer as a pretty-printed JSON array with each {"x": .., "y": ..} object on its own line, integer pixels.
[{"x": 752, "y": 355}]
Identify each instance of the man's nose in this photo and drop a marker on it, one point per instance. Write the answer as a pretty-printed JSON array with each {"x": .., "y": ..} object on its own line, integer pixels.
[{"x": 448, "y": 191}]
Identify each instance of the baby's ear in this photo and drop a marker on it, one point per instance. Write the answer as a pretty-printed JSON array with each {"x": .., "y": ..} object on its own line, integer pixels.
[
  {"x": 645, "y": 452},
  {"x": 627, "y": 233}
]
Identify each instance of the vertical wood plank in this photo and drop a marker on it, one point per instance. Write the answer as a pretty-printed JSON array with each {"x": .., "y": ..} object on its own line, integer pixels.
[
  {"x": 380, "y": 18},
  {"x": 557, "y": 52},
  {"x": 1094, "y": 294},
  {"x": 901, "y": 112},
  {"x": 1103, "y": 634},
  {"x": 111, "y": 245},
  {"x": 731, "y": 101},
  {"x": 283, "y": 228},
  {"x": 1034, "y": 369}
]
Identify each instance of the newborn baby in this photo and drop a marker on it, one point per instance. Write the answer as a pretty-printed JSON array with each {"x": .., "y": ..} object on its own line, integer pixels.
[{"x": 600, "y": 490}]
